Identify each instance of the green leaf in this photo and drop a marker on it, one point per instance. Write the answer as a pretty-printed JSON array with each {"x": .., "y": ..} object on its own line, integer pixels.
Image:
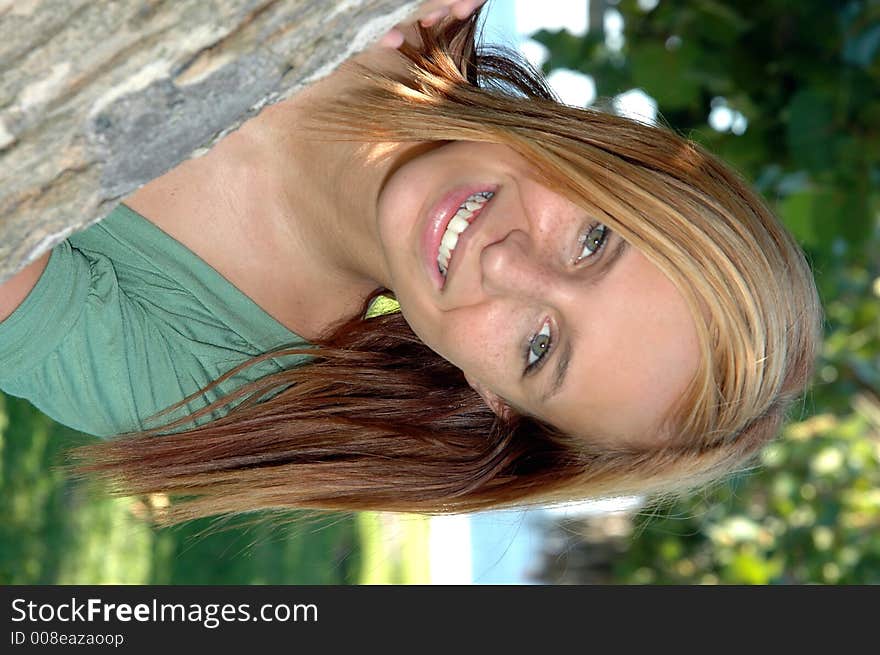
[
  {"x": 667, "y": 75},
  {"x": 797, "y": 214},
  {"x": 810, "y": 129}
]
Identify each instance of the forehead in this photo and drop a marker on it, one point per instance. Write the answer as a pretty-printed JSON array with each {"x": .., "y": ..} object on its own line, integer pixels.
[{"x": 634, "y": 350}]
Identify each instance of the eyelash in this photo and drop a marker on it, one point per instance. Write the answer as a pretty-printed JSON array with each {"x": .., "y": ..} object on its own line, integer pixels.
[{"x": 545, "y": 327}]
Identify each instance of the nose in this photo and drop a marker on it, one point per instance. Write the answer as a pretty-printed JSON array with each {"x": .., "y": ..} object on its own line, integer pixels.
[{"x": 512, "y": 266}]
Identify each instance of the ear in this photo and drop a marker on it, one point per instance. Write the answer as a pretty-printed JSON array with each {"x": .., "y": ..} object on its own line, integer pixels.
[{"x": 492, "y": 399}]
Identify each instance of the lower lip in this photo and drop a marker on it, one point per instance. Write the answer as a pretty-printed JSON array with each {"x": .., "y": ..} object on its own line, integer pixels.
[{"x": 436, "y": 221}]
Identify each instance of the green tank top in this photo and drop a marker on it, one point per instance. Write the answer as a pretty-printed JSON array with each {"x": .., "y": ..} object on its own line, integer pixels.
[{"x": 126, "y": 321}]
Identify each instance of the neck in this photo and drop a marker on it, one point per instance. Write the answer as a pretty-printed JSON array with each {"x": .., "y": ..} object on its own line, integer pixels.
[
  {"x": 325, "y": 203},
  {"x": 329, "y": 190},
  {"x": 316, "y": 199}
]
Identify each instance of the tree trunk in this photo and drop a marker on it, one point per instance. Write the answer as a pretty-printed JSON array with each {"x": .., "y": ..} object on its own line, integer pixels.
[{"x": 99, "y": 97}]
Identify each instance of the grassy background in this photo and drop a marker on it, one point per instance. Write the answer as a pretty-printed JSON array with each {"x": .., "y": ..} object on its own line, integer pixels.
[{"x": 59, "y": 531}]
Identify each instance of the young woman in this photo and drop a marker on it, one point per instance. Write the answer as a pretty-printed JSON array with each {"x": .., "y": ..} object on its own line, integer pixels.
[{"x": 589, "y": 305}]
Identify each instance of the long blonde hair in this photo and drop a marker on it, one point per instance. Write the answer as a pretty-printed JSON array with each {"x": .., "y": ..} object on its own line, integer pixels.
[{"x": 364, "y": 427}]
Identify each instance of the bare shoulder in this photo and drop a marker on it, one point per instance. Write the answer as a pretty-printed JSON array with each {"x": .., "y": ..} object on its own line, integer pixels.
[
  {"x": 173, "y": 194},
  {"x": 16, "y": 289}
]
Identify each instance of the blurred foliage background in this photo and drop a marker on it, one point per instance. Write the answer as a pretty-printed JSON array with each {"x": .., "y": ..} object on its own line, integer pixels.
[
  {"x": 789, "y": 94},
  {"x": 793, "y": 92},
  {"x": 58, "y": 530}
]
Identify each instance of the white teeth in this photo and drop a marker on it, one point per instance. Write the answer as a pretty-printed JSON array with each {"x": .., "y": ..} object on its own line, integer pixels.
[
  {"x": 459, "y": 224},
  {"x": 449, "y": 240}
]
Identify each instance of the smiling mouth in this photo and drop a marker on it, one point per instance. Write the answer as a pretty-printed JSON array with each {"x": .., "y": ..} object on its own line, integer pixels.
[{"x": 464, "y": 216}]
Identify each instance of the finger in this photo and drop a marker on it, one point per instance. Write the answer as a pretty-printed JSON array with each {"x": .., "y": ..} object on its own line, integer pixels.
[
  {"x": 465, "y": 8},
  {"x": 393, "y": 39},
  {"x": 461, "y": 10},
  {"x": 434, "y": 17}
]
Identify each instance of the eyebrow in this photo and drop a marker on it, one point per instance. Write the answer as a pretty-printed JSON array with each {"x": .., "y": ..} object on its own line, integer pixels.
[{"x": 564, "y": 358}]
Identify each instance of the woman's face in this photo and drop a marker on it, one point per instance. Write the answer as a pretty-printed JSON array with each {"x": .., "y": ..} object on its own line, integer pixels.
[{"x": 540, "y": 308}]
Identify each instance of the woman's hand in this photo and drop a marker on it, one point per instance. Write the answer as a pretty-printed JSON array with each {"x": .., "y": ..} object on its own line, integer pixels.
[{"x": 430, "y": 13}]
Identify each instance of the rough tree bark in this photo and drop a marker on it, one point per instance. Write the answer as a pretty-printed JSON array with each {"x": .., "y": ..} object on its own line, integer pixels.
[{"x": 99, "y": 97}]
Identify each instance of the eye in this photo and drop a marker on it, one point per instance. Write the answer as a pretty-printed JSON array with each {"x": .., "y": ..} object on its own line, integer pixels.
[
  {"x": 593, "y": 240},
  {"x": 538, "y": 346}
]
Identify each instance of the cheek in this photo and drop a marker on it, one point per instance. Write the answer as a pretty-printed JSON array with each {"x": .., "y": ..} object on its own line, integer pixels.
[
  {"x": 479, "y": 340},
  {"x": 651, "y": 350}
]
